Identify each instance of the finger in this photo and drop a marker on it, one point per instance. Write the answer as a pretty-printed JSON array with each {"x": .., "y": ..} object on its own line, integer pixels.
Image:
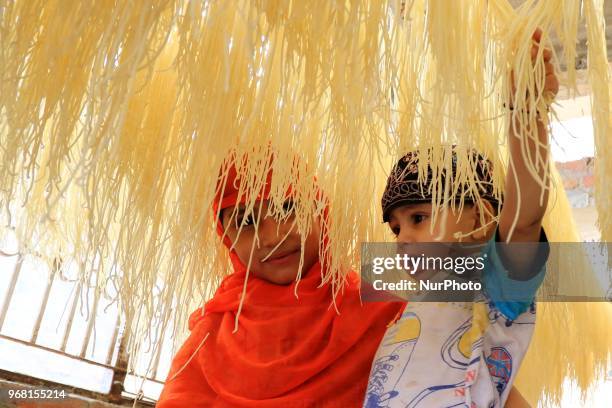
[
  {"x": 546, "y": 53},
  {"x": 549, "y": 68},
  {"x": 537, "y": 35},
  {"x": 551, "y": 85}
]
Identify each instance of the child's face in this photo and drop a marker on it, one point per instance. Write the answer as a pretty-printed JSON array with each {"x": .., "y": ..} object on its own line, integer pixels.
[
  {"x": 412, "y": 223},
  {"x": 280, "y": 265}
]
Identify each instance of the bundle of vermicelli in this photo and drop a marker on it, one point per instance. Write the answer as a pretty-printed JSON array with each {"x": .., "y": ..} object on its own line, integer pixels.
[{"x": 115, "y": 118}]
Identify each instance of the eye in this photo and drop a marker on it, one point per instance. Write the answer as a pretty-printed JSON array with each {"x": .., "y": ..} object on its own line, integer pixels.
[
  {"x": 418, "y": 218},
  {"x": 288, "y": 206},
  {"x": 245, "y": 221},
  {"x": 248, "y": 220}
]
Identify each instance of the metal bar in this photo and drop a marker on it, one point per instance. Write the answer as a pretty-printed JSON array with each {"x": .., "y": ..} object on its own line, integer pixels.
[
  {"x": 55, "y": 351},
  {"x": 117, "y": 384},
  {"x": 113, "y": 343},
  {"x": 71, "y": 316},
  {"x": 160, "y": 344},
  {"x": 144, "y": 399},
  {"x": 10, "y": 291},
  {"x": 43, "y": 305},
  {"x": 90, "y": 324}
]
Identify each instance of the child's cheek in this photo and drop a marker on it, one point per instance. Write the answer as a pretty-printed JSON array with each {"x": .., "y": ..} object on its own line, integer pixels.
[{"x": 242, "y": 246}]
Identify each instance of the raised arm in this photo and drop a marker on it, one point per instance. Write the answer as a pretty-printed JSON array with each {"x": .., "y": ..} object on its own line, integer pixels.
[{"x": 523, "y": 210}]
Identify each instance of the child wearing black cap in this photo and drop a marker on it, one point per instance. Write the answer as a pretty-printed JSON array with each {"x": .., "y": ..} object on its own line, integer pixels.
[{"x": 466, "y": 354}]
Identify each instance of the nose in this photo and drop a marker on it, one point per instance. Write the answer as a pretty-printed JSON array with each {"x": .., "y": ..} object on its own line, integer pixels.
[
  {"x": 270, "y": 232},
  {"x": 406, "y": 236}
]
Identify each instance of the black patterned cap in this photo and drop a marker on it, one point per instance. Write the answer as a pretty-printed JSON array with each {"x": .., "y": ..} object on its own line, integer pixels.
[{"x": 403, "y": 186}]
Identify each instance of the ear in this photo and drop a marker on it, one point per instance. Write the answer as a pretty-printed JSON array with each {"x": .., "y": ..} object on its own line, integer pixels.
[{"x": 484, "y": 217}]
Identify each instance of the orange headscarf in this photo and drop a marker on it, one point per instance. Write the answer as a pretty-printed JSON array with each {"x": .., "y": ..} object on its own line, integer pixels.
[{"x": 287, "y": 352}]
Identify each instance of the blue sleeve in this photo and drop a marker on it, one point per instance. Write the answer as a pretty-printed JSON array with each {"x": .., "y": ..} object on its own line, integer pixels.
[{"x": 512, "y": 297}]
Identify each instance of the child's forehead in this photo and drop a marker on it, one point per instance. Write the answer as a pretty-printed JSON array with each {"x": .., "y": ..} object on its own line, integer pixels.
[
  {"x": 409, "y": 207},
  {"x": 240, "y": 208}
]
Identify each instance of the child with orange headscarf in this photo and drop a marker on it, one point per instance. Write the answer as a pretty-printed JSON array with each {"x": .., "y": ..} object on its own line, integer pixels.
[{"x": 286, "y": 351}]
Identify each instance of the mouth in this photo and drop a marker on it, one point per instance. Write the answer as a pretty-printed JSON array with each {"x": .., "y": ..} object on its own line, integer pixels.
[{"x": 281, "y": 257}]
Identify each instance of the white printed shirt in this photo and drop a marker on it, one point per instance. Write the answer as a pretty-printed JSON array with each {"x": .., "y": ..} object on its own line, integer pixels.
[{"x": 455, "y": 354}]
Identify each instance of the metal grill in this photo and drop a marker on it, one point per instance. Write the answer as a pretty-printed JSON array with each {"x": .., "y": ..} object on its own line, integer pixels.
[{"x": 75, "y": 337}]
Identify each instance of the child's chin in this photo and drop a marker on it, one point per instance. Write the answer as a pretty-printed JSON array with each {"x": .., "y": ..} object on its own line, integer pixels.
[{"x": 285, "y": 276}]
